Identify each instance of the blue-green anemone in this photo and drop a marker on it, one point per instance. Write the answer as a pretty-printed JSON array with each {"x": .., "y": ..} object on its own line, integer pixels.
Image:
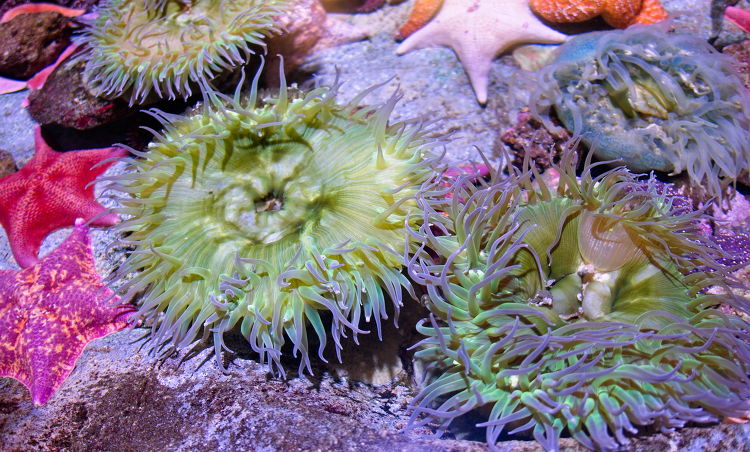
[
  {"x": 577, "y": 309},
  {"x": 655, "y": 99},
  {"x": 136, "y": 46},
  {"x": 259, "y": 214}
]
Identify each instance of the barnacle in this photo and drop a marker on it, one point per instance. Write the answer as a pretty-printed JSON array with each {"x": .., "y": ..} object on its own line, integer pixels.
[
  {"x": 577, "y": 309},
  {"x": 657, "y": 100},
  {"x": 260, "y": 214},
  {"x": 136, "y": 46}
]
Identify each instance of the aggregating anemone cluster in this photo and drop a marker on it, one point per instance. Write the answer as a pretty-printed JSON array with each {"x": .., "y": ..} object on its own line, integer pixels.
[
  {"x": 262, "y": 213},
  {"x": 578, "y": 309},
  {"x": 137, "y": 47},
  {"x": 655, "y": 99}
]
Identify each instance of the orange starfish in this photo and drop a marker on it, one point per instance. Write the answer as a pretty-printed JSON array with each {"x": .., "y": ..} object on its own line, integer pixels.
[
  {"x": 617, "y": 13},
  {"x": 423, "y": 11},
  {"x": 49, "y": 193}
]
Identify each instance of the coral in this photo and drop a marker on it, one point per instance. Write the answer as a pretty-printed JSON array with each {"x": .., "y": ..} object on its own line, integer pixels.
[
  {"x": 137, "y": 46},
  {"x": 260, "y": 214},
  {"x": 579, "y": 309},
  {"x": 50, "y": 312},
  {"x": 654, "y": 99},
  {"x": 617, "y": 13},
  {"x": 49, "y": 193},
  {"x": 479, "y": 32}
]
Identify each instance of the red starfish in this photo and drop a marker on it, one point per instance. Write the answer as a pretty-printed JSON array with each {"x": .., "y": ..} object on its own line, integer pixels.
[
  {"x": 49, "y": 193},
  {"x": 50, "y": 312}
]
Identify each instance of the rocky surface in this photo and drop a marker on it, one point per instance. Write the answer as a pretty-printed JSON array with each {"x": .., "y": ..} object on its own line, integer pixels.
[
  {"x": 22, "y": 53},
  {"x": 121, "y": 398},
  {"x": 64, "y": 101},
  {"x": 74, "y": 4}
]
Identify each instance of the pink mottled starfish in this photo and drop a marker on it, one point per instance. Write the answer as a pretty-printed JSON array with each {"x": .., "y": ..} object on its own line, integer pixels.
[
  {"x": 50, "y": 312},
  {"x": 9, "y": 85},
  {"x": 49, "y": 193}
]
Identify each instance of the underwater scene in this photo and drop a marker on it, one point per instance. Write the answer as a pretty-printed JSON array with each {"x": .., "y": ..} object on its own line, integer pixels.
[{"x": 375, "y": 225}]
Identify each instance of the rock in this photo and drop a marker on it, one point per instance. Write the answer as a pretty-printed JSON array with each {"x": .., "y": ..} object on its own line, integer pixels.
[
  {"x": 528, "y": 135},
  {"x": 339, "y": 32},
  {"x": 741, "y": 54},
  {"x": 63, "y": 100},
  {"x": 304, "y": 25},
  {"x": 7, "y": 164},
  {"x": 24, "y": 53},
  {"x": 119, "y": 398}
]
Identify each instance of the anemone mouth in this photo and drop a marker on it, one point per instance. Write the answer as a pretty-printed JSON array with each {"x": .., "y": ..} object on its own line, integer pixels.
[
  {"x": 551, "y": 334},
  {"x": 655, "y": 99},
  {"x": 166, "y": 46},
  {"x": 259, "y": 217}
]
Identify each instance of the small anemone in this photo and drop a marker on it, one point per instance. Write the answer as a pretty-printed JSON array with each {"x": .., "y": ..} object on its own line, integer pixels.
[
  {"x": 655, "y": 99},
  {"x": 136, "y": 46},
  {"x": 578, "y": 309},
  {"x": 260, "y": 216}
]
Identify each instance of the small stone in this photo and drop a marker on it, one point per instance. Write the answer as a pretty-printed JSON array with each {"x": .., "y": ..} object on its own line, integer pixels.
[
  {"x": 30, "y": 42},
  {"x": 7, "y": 164},
  {"x": 304, "y": 25},
  {"x": 64, "y": 100},
  {"x": 740, "y": 52},
  {"x": 529, "y": 135}
]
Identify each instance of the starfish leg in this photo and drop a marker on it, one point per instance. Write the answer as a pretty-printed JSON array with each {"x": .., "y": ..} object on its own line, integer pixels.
[
  {"x": 24, "y": 247},
  {"x": 564, "y": 11},
  {"x": 621, "y": 13},
  {"x": 652, "y": 12},
  {"x": 738, "y": 16},
  {"x": 29, "y": 8},
  {"x": 423, "y": 11}
]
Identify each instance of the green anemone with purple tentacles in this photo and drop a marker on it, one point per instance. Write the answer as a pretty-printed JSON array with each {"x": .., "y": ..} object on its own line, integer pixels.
[
  {"x": 655, "y": 97},
  {"x": 259, "y": 213},
  {"x": 575, "y": 309},
  {"x": 139, "y": 47}
]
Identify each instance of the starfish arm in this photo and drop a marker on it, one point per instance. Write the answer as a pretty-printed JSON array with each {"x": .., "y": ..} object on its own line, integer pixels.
[
  {"x": 621, "y": 13},
  {"x": 11, "y": 86},
  {"x": 38, "y": 8},
  {"x": 423, "y": 11},
  {"x": 652, "y": 11},
  {"x": 12, "y": 321},
  {"x": 84, "y": 166},
  {"x": 564, "y": 11},
  {"x": 430, "y": 35},
  {"x": 63, "y": 310},
  {"x": 25, "y": 246}
]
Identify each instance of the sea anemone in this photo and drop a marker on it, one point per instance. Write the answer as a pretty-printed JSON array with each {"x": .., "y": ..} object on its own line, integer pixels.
[
  {"x": 136, "y": 46},
  {"x": 579, "y": 309},
  {"x": 654, "y": 99},
  {"x": 262, "y": 213}
]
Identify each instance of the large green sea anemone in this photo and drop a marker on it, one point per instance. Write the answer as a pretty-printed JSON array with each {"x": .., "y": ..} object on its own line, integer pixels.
[
  {"x": 579, "y": 309},
  {"x": 136, "y": 46},
  {"x": 656, "y": 99},
  {"x": 259, "y": 214}
]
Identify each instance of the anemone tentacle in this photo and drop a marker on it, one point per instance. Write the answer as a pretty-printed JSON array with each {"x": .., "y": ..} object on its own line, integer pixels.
[
  {"x": 654, "y": 98},
  {"x": 136, "y": 46},
  {"x": 261, "y": 214},
  {"x": 579, "y": 308}
]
